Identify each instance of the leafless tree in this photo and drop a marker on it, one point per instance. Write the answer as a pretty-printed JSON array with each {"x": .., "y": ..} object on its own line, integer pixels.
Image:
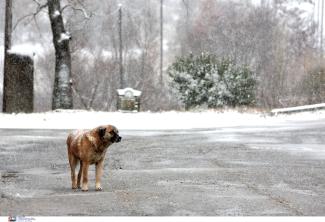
[
  {"x": 62, "y": 91},
  {"x": 277, "y": 42},
  {"x": 273, "y": 39}
]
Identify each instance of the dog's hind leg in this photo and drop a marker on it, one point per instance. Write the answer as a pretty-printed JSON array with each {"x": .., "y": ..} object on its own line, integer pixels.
[
  {"x": 73, "y": 163},
  {"x": 79, "y": 176}
]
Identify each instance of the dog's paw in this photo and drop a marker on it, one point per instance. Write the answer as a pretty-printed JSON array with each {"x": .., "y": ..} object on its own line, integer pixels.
[
  {"x": 84, "y": 188},
  {"x": 99, "y": 188}
]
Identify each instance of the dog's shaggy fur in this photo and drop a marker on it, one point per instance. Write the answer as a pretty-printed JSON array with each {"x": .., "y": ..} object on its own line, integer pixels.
[{"x": 89, "y": 147}]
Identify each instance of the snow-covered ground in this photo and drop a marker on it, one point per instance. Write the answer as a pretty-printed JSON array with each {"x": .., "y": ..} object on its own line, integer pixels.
[
  {"x": 299, "y": 108},
  {"x": 77, "y": 119}
]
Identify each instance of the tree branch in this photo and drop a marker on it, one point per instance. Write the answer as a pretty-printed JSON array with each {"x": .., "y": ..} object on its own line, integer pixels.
[
  {"x": 83, "y": 99},
  {"x": 82, "y": 9},
  {"x": 40, "y": 7}
]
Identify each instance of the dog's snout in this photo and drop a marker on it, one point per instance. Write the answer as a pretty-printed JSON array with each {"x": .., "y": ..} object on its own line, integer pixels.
[{"x": 118, "y": 139}]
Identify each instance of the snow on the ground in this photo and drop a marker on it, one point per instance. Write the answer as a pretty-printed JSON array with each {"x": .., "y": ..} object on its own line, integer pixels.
[
  {"x": 64, "y": 36},
  {"x": 77, "y": 119},
  {"x": 299, "y": 108}
]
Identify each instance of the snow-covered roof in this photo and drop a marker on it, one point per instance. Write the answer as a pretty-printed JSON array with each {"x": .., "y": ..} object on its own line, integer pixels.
[
  {"x": 27, "y": 49},
  {"x": 123, "y": 92}
]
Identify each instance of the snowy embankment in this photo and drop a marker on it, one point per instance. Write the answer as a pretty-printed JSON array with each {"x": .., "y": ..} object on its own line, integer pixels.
[{"x": 77, "y": 119}]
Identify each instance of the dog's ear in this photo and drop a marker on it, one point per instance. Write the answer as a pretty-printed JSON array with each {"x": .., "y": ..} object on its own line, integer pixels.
[{"x": 101, "y": 131}]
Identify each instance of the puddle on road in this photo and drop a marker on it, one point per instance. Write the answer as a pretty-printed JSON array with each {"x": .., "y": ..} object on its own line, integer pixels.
[
  {"x": 248, "y": 163},
  {"x": 9, "y": 174},
  {"x": 20, "y": 184},
  {"x": 286, "y": 188}
]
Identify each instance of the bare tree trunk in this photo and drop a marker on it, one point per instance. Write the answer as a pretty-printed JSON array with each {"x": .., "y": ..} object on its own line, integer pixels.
[
  {"x": 322, "y": 30},
  {"x": 161, "y": 40},
  {"x": 8, "y": 32},
  {"x": 122, "y": 79},
  {"x": 62, "y": 91}
]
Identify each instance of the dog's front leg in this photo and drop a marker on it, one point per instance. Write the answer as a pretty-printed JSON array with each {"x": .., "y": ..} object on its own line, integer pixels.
[
  {"x": 85, "y": 167},
  {"x": 79, "y": 176},
  {"x": 99, "y": 173}
]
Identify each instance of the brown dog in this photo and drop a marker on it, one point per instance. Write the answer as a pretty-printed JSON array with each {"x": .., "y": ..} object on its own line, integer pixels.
[{"x": 89, "y": 147}]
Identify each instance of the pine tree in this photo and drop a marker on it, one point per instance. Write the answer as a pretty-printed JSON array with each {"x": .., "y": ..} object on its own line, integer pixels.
[{"x": 205, "y": 80}]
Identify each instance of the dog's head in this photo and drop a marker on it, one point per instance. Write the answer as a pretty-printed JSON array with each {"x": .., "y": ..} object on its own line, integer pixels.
[{"x": 109, "y": 133}]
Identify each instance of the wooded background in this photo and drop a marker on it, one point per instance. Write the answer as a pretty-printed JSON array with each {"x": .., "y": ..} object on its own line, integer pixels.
[{"x": 280, "y": 40}]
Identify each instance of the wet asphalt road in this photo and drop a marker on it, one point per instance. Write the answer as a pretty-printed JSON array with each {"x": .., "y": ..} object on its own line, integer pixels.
[{"x": 272, "y": 170}]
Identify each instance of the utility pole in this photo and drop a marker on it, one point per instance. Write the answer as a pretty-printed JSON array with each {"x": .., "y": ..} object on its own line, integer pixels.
[
  {"x": 122, "y": 84},
  {"x": 161, "y": 40},
  {"x": 317, "y": 19},
  {"x": 186, "y": 39},
  {"x": 8, "y": 34},
  {"x": 8, "y": 25},
  {"x": 322, "y": 30}
]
